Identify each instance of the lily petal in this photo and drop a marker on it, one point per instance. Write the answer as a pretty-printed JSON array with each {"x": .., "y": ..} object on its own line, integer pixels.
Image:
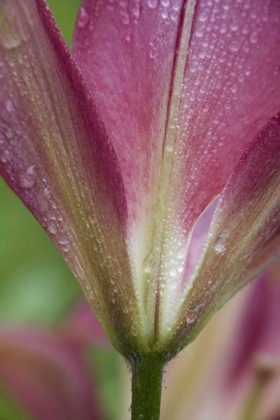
[
  {"x": 183, "y": 87},
  {"x": 257, "y": 333},
  {"x": 47, "y": 374},
  {"x": 55, "y": 154},
  {"x": 126, "y": 52},
  {"x": 247, "y": 220}
]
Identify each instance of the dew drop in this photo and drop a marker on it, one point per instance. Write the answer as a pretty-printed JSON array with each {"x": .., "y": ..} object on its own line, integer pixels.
[
  {"x": 223, "y": 28},
  {"x": 52, "y": 228},
  {"x": 125, "y": 19},
  {"x": 181, "y": 254},
  {"x": 154, "y": 53},
  {"x": 220, "y": 244},
  {"x": 83, "y": 18},
  {"x": 234, "y": 46},
  {"x": 199, "y": 32},
  {"x": 27, "y": 180},
  {"x": 234, "y": 88},
  {"x": 148, "y": 263},
  {"x": 173, "y": 271},
  {"x": 128, "y": 36},
  {"x": 202, "y": 54},
  {"x": 254, "y": 38},
  {"x": 5, "y": 156},
  {"x": 136, "y": 11},
  {"x": 165, "y": 3},
  {"x": 234, "y": 26},
  {"x": 164, "y": 13},
  {"x": 9, "y": 106},
  {"x": 203, "y": 17},
  {"x": 47, "y": 191},
  {"x": 63, "y": 241},
  {"x": 152, "y": 4},
  {"x": 276, "y": 70}
]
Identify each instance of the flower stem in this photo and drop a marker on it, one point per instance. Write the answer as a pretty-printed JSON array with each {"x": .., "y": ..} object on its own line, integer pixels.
[{"x": 146, "y": 388}]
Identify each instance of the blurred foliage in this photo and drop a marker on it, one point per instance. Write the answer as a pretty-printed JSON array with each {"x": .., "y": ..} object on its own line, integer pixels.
[
  {"x": 9, "y": 410},
  {"x": 36, "y": 286}
]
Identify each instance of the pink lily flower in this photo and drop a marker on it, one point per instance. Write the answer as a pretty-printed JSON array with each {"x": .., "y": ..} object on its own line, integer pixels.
[
  {"x": 120, "y": 148},
  {"x": 243, "y": 355},
  {"x": 47, "y": 374}
]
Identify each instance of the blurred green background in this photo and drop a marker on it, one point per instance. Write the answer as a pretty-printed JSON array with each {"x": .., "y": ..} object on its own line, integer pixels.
[{"x": 36, "y": 287}]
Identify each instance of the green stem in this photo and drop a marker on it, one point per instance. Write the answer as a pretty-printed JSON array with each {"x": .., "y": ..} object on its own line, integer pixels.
[{"x": 146, "y": 388}]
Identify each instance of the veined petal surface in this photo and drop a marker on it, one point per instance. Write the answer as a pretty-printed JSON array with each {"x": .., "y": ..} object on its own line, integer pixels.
[
  {"x": 55, "y": 154},
  {"x": 183, "y": 87},
  {"x": 246, "y": 222}
]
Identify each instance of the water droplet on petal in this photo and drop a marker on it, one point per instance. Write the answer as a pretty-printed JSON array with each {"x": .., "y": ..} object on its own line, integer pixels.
[
  {"x": 164, "y": 13},
  {"x": 234, "y": 46},
  {"x": 83, "y": 18},
  {"x": 234, "y": 26},
  {"x": 9, "y": 106},
  {"x": 203, "y": 17},
  {"x": 254, "y": 38},
  {"x": 234, "y": 88},
  {"x": 148, "y": 263},
  {"x": 52, "y": 228},
  {"x": 220, "y": 243},
  {"x": 63, "y": 241},
  {"x": 27, "y": 180},
  {"x": 136, "y": 11},
  {"x": 154, "y": 53},
  {"x": 152, "y": 4},
  {"x": 202, "y": 54},
  {"x": 173, "y": 272},
  {"x": 5, "y": 156},
  {"x": 181, "y": 254}
]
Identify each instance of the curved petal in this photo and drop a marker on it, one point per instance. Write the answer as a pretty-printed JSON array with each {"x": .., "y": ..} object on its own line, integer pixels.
[
  {"x": 257, "y": 334},
  {"x": 55, "y": 154},
  {"x": 183, "y": 87},
  {"x": 126, "y": 51},
  {"x": 48, "y": 375},
  {"x": 246, "y": 220}
]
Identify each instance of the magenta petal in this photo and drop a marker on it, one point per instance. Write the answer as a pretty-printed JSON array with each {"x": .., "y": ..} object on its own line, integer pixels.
[
  {"x": 119, "y": 48},
  {"x": 230, "y": 87},
  {"x": 246, "y": 221},
  {"x": 257, "y": 334},
  {"x": 182, "y": 87},
  {"x": 55, "y": 154},
  {"x": 48, "y": 375}
]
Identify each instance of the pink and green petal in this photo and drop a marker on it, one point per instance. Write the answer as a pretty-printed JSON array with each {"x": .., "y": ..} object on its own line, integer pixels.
[
  {"x": 255, "y": 350},
  {"x": 230, "y": 89},
  {"x": 183, "y": 87},
  {"x": 47, "y": 375},
  {"x": 55, "y": 154},
  {"x": 126, "y": 52},
  {"x": 257, "y": 334},
  {"x": 246, "y": 221}
]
